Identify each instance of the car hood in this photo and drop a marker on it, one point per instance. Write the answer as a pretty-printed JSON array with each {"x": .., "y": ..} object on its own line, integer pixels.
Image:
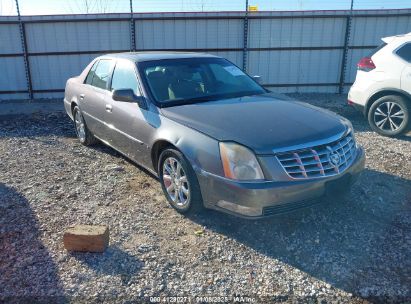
[{"x": 265, "y": 123}]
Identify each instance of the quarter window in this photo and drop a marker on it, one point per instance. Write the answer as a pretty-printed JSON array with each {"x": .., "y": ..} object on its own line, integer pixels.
[
  {"x": 90, "y": 74},
  {"x": 405, "y": 52},
  {"x": 124, "y": 77},
  {"x": 102, "y": 73}
]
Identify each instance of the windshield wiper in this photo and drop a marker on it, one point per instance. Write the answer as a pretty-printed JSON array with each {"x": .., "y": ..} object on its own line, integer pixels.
[
  {"x": 201, "y": 98},
  {"x": 183, "y": 101},
  {"x": 219, "y": 96}
]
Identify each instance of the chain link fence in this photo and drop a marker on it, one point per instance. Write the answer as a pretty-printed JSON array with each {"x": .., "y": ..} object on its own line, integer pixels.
[{"x": 49, "y": 7}]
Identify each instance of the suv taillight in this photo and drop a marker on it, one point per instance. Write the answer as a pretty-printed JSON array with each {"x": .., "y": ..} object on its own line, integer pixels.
[{"x": 366, "y": 64}]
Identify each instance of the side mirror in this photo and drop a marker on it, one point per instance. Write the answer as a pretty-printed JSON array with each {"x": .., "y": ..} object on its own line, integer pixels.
[
  {"x": 257, "y": 79},
  {"x": 127, "y": 95}
]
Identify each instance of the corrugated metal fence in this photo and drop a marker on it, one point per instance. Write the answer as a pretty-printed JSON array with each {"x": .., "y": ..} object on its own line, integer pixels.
[{"x": 312, "y": 51}]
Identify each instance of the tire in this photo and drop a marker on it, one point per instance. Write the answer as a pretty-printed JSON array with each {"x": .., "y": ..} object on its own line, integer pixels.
[
  {"x": 389, "y": 115},
  {"x": 190, "y": 202},
  {"x": 84, "y": 135}
]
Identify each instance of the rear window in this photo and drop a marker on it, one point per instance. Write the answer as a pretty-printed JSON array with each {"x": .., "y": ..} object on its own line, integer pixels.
[
  {"x": 376, "y": 50},
  {"x": 405, "y": 52}
]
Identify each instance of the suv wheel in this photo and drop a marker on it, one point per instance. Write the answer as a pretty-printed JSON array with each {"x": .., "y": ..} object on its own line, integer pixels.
[
  {"x": 389, "y": 115},
  {"x": 179, "y": 182}
]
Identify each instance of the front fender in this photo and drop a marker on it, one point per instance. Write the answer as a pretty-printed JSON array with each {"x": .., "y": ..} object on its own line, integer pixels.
[{"x": 201, "y": 150}]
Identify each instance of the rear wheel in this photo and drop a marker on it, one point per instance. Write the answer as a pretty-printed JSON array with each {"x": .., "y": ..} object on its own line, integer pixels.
[
  {"x": 83, "y": 133},
  {"x": 179, "y": 182},
  {"x": 389, "y": 115}
]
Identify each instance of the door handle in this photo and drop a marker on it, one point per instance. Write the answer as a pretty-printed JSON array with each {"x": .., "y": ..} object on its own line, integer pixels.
[
  {"x": 109, "y": 108},
  {"x": 82, "y": 96}
]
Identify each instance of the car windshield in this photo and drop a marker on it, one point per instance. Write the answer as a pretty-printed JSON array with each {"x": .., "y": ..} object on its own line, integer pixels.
[{"x": 181, "y": 81}]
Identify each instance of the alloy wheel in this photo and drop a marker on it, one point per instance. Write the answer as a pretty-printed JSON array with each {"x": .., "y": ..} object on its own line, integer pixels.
[
  {"x": 80, "y": 127},
  {"x": 176, "y": 182},
  {"x": 389, "y": 116}
]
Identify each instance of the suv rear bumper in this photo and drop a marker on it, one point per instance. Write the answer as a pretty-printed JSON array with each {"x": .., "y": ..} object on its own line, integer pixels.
[
  {"x": 259, "y": 199},
  {"x": 359, "y": 108},
  {"x": 357, "y": 98}
]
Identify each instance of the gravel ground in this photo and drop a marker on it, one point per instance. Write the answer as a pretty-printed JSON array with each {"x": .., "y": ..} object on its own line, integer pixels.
[{"x": 355, "y": 250}]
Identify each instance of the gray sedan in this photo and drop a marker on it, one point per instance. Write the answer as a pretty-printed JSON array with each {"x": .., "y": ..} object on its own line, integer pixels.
[{"x": 214, "y": 137}]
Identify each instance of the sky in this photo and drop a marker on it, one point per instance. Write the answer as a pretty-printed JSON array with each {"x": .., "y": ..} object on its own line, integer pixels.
[{"x": 50, "y": 7}]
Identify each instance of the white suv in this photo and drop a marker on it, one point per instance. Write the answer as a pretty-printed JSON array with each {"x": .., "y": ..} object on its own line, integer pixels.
[{"x": 382, "y": 88}]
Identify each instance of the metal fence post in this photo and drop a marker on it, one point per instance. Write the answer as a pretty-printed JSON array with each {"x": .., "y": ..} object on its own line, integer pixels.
[
  {"x": 345, "y": 51},
  {"x": 132, "y": 29},
  {"x": 25, "y": 56},
  {"x": 245, "y": 29}
]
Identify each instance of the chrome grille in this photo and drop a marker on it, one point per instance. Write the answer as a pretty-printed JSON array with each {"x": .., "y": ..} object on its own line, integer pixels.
[{"x": 323, "y": 160}]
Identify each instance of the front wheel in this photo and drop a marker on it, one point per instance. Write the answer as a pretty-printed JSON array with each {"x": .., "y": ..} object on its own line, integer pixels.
[
  {"x": 389, "y": 115},
  {"x": 179, "y": 182}
]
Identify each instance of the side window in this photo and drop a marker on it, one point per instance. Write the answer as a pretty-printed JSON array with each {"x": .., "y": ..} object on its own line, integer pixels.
[
  {"x": 102, "y": 73},
  {"x": 124, "y": 77},
  {"x": 90, "y": 74},
  {"x": 405, "y": 52}
]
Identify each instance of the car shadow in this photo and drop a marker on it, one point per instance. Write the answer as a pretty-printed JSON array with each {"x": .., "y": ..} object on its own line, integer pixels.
[
  {"x": 126, "y": 265},
  {"x": 358, "y": 244},
  {"x": 103, "y": 148},
  {"x": 27, "y": 270}
]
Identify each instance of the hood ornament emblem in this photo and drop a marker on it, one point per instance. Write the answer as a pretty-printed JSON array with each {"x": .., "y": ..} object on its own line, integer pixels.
[{"x": 334, "y": 157}]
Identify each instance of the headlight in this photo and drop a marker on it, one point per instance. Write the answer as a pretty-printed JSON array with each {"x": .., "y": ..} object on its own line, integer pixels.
[
  {"x": 354, "y": 139},
  {"x": 239, "y": 162},
  {"x": 351, "y": 131}
]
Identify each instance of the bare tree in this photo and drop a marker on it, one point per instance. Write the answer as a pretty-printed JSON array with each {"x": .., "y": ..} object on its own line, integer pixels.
[
  {"x": 300, "y": 5},
  {"x": 103, "y": 6},
  {"x": 202, "y": 4},
  {"x": 6, "y": 7},
  {"x": 89, "y": 6}
]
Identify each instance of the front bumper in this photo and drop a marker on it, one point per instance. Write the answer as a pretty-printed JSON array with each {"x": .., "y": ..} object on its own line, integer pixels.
[{"x": 259, "y": 199}]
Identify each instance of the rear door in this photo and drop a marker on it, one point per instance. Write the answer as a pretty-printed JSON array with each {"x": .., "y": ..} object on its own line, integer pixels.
[
  {"x": 128, "y": 125},
  {"x": 94, "y": 95}
]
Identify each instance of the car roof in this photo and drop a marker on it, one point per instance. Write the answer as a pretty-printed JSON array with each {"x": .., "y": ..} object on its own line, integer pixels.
[
  {"x": 392, "y": 38},
  {"x": 157, "y": 55}
]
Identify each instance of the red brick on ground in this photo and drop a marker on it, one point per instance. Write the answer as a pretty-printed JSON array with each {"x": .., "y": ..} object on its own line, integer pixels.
[{"x": 86, "y": 238}]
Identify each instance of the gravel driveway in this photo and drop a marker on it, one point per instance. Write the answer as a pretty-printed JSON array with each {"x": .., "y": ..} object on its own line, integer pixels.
[{"x": 353, "y": 250}]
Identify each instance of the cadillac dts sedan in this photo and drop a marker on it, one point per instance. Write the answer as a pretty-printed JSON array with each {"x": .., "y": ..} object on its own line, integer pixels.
[{"x": 214, "y": 137}]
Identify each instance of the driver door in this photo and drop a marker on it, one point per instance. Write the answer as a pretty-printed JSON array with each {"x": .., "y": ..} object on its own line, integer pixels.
[{"x": 128, "y": 126}]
